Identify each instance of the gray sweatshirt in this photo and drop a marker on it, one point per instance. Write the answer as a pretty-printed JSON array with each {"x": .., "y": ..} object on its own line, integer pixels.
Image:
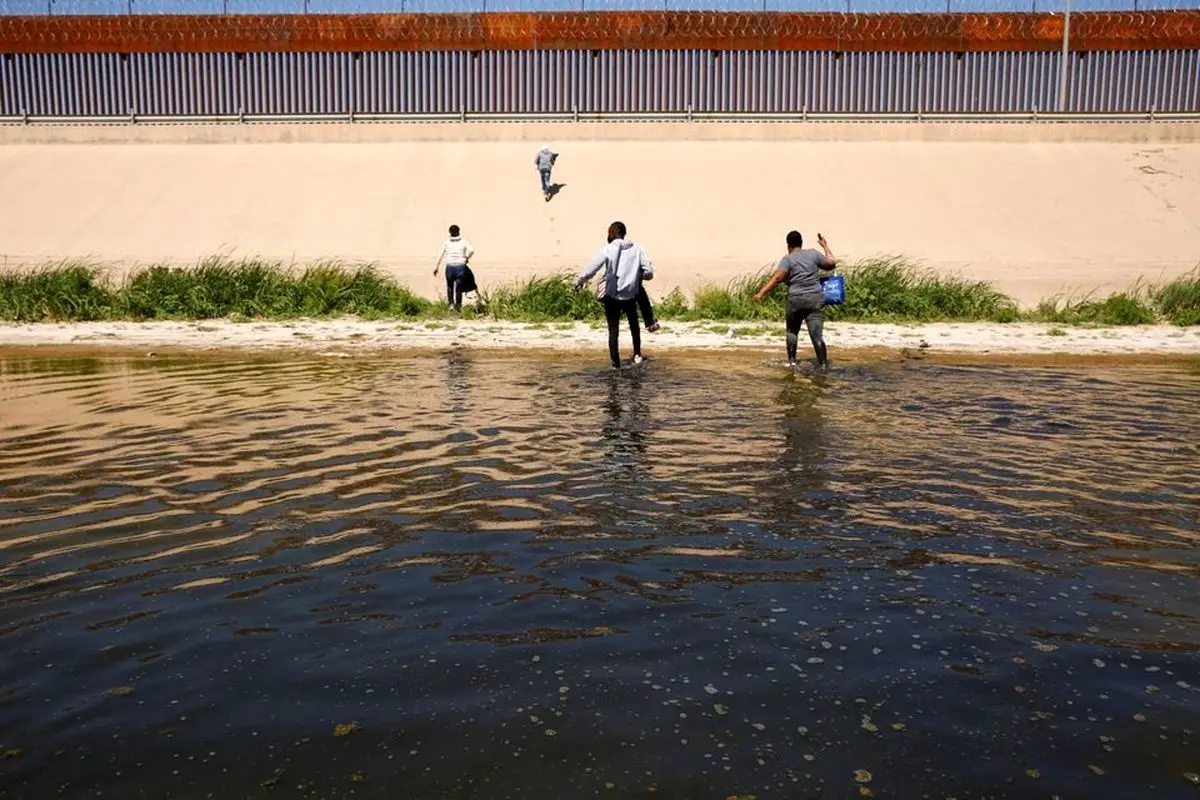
[{"x": 545, "y": 159}]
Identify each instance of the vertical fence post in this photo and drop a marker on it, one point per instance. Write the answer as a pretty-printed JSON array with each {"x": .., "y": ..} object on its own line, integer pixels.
[{"x": 1062, "y": 72}]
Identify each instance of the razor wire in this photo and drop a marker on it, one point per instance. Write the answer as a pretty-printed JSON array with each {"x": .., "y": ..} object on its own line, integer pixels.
[{"x": 155, "y": 7}]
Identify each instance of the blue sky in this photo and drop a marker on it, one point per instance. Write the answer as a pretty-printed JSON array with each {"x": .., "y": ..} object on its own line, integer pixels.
[{"x": 384, "y": 6}]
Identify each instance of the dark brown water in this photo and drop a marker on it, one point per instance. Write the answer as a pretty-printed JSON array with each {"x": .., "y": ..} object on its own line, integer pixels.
[{"x": 528, "y": 578}]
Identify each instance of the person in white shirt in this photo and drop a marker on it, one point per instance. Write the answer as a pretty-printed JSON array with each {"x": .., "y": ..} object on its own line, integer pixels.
[
  {"x": 456, "y": 253},
  {"x": 625, "y": 266}
]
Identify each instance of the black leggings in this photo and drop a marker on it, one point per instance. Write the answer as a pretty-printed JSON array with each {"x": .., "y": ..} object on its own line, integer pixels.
[
  {"x": 806, "y": 310},
  {"x": 613, "y": 309}
]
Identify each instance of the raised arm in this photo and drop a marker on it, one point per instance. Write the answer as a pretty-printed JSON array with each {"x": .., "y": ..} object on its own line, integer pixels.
[
  {"x": 779, "y": 277},
  {"x": 830, "y": 259}
]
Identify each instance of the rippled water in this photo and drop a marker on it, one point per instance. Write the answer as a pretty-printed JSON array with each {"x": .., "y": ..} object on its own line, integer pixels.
[{"x": 525, "y": 577}]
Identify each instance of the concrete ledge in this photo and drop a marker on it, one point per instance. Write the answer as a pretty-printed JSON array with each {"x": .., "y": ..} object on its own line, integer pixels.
[{"x": 382, "y": 132}]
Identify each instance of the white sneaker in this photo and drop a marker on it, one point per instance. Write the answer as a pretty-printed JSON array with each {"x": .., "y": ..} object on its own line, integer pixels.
[
  {"x": 638, "y": 359},
  {"x": 791, "y": 365}
]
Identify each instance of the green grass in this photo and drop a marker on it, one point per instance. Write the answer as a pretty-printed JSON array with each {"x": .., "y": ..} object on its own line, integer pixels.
[
  {"x": 62, "y": 291},
  {"x": 876, "y": 291},
  {"x": 256, "y": 289},
  {"x": 1126, "y": 308},
  {"x": 672, "y": 305},
  {"x": 215, "y": 288},
  {"x": 1179, "y": 300},
  {"x": 545, "y": 299},
  {"x": 893, "y": 290}
]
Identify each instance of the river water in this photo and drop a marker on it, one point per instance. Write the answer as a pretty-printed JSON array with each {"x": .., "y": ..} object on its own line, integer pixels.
[{"x": 526, "y": 577}]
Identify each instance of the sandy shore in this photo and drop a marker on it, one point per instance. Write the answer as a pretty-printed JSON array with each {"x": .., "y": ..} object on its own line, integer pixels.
[
  {"x": 1038, "y": 210},
  {"x": 346, "y": 337}
]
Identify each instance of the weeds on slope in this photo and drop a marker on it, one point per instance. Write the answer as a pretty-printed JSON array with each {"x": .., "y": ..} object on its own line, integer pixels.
[
  {"x": 215, "y": 288},
  {"x": 65, "y": 290},
  {"x": 886, "y": 290},
  {"x": 1179, "y": 300},
  {"x": 1176, "y": 301},
  {"x": 258, "y": 289},
  {"x": 876, "y": 291},
  {"x": 543, "y": 299},
  {"x": 895, "y": 290}
]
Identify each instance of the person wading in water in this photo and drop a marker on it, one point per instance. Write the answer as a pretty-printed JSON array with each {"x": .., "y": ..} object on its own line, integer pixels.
[
  {"x": 800, "y": 269},
  {"x": 626, "y": 265}
]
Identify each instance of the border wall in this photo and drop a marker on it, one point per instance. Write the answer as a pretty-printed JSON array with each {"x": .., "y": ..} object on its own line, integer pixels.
[{"x": 601, "y": 65}]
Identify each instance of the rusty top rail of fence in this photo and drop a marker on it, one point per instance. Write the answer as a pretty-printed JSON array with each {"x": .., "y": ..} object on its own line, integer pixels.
[{"x": 1145, "y": 30}]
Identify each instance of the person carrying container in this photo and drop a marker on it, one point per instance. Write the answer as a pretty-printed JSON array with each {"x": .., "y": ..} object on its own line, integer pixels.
[{"x": 800, "y": 270}]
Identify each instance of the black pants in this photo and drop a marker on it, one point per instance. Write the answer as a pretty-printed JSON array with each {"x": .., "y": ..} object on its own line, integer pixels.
[
  {"x": 613, "y": 309},
  {"x": 806, "y": 310},
  {"x": 643, "y": 304}
]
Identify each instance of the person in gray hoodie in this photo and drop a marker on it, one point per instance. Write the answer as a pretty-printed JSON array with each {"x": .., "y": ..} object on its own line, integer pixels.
[
  {"x": 545, "y": 162},
  {"x": 625, "y": 266}
]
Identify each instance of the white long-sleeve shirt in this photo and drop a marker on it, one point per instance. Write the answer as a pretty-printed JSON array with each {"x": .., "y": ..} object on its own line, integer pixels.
[
  {"x": 627, "y": 265},
  {"x": 455, "y": 251}
]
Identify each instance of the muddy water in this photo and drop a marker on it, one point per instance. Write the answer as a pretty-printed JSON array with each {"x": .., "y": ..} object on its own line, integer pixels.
[{"x": 527, "y": 578}]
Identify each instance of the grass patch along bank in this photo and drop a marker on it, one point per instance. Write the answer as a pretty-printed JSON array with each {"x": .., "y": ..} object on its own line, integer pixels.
[
  {"x": 218, "y": 288},
  {"x": 214, "y": 289}
]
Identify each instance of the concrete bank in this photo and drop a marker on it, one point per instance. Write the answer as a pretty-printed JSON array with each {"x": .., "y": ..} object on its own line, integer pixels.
[{"x": 1038, "y": 209}]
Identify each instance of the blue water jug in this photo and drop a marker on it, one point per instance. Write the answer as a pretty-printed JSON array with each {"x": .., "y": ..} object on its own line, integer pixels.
[{"x": 834, "y": 289}]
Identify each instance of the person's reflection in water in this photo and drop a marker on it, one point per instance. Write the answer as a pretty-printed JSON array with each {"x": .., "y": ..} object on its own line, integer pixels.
[
  {"x": 805, "y": 439},
  {"x": 626, "y": 424},
  {"x": 458, "y": 383}
]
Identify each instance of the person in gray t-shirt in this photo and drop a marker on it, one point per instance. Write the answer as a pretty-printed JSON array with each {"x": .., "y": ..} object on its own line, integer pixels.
[{"x": 800, "y": 270}]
